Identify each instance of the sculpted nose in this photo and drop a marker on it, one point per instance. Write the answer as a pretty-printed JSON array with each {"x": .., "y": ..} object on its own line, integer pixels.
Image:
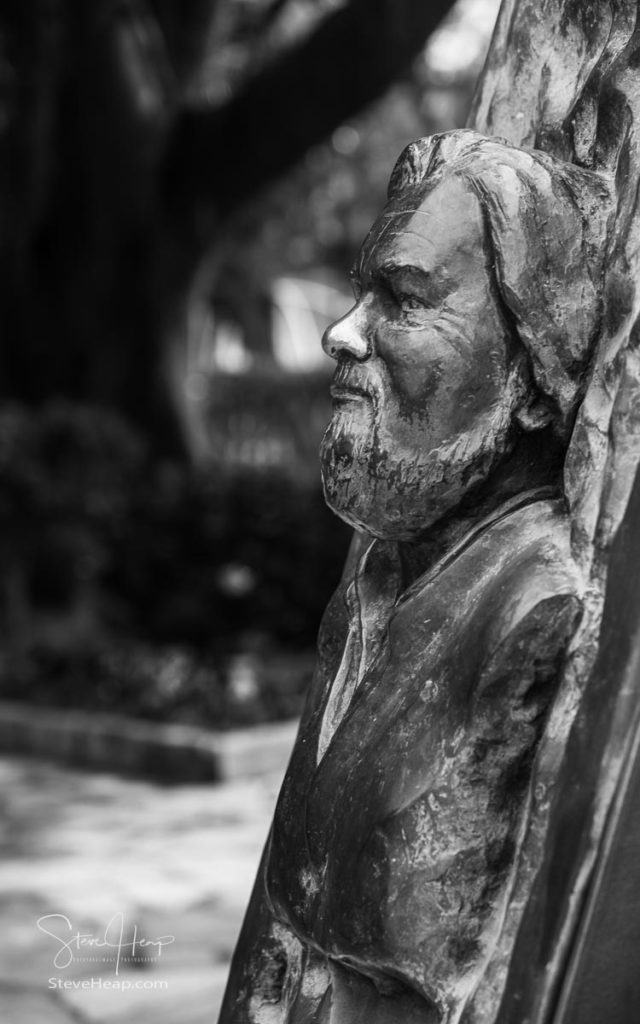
[{"x": 346, "y": 336}]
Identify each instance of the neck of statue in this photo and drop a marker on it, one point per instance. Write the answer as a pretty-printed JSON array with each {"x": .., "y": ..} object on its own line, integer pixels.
[{"x": 536, "y": 461}]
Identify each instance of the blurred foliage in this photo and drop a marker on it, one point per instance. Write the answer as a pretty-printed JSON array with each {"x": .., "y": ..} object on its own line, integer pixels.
[
  {"x": 248, "y": 36},
  {"x": 132, "y": 585},
  {"x": 129, "y": 582},
  {"x": 207, "y": 558},
  {"x": 65, "y": 477},
  {"x": 168, "y": 683}
]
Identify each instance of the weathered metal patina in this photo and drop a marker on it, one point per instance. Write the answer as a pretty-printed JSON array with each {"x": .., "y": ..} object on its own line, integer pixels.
[{"x": 484, "y": 440}]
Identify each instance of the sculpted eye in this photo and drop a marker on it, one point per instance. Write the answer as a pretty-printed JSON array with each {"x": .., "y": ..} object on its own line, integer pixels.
[{"x": 412, "y": 303}]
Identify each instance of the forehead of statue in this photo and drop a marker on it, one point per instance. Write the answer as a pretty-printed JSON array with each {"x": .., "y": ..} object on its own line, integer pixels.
[{"x": 438, "y": 227}]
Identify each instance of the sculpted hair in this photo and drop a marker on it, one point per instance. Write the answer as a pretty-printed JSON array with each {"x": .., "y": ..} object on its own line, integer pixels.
[{"x": 547, "y": 231}]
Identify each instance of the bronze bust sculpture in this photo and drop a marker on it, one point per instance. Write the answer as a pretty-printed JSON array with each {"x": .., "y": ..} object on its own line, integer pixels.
[
  {"x": 440, "y": 848},
  {"x": 395, "y": 862}
]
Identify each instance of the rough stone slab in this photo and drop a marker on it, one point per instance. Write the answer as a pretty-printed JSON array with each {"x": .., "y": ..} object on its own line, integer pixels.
[
  {"x": 167, "y": 752},
  {"x": 178, "y": 860},
  {"x": 262, "y": 748},
  {"x": 193, "y": 996},
  {"x": 24, "y": 1006}
]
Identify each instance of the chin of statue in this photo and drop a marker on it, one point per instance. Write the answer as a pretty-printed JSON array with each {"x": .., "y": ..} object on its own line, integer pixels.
[
  {"x": 390, "y": 499},
  {"x": 400, "y": 495}
]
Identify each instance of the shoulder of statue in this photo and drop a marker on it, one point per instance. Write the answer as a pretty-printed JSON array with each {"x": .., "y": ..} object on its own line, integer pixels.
[
  {"x": 489, "y": 586},
  {"x": 522, "y": 549},
  {"x": 532, "y": 553},
  {"x": 536, "y": 596}
]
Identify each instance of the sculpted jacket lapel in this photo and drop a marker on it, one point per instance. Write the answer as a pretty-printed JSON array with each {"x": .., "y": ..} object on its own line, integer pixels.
[{"x": 370, "y": 598}]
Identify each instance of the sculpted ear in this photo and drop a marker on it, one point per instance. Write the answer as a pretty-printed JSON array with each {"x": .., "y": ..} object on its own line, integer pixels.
[
  {"x": 532, "y": 410},
  {"x": 533, "y": 414}
]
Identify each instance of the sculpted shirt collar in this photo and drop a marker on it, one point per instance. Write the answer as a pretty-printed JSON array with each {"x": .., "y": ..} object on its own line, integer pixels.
[
  {"x": 505, "y": 509},
  {"x": 373, "y": 595}
]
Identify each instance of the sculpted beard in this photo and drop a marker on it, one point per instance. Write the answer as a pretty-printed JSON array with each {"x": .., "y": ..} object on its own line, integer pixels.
[{"x": 396, "y": 492}]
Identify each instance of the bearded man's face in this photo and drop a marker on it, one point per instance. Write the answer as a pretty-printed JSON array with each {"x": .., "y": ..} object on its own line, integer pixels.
[{"x": 425, "y": 387}]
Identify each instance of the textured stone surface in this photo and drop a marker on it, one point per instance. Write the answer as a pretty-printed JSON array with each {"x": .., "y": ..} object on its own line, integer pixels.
[{"x": 179, "y": 860}]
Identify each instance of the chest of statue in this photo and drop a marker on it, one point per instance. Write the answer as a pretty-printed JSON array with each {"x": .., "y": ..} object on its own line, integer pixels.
[{"x": 401, "y": 824}]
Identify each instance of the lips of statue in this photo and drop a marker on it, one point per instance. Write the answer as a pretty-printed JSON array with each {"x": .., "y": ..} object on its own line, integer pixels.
[{"x": 425, "y": 387}]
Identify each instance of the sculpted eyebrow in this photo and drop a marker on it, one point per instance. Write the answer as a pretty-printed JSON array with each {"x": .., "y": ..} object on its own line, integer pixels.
[{"x": 403, "y": 275}]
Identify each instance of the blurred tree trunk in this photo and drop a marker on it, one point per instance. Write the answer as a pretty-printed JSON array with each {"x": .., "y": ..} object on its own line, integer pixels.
[{"x": 113, "y": 192}]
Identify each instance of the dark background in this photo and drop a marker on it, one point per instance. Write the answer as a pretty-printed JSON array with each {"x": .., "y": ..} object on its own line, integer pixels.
[{"x": 183, "y": 187}]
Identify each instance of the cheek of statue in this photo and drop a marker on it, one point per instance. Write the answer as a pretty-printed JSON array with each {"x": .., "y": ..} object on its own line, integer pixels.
[{"x": 398, "y": 458}]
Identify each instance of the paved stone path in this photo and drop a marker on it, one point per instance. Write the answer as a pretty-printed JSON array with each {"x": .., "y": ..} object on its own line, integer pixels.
[{"x": 171, "y": 861}]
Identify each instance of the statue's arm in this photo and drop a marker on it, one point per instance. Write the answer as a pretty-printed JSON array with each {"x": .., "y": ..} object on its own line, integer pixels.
[
  {"x": 522, "y": 673},
  {"x": 274, "y": 979}
]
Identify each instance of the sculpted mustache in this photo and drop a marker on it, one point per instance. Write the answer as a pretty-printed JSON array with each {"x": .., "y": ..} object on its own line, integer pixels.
[{"x": 346, "y": 379}]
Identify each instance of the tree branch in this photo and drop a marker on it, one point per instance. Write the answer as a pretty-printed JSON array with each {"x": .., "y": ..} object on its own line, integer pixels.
[
  {"x": 186, "y": 26},
  {"x": 218, "y": 159}
]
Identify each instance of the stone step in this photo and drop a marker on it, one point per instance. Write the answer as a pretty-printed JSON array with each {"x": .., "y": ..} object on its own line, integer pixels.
[
  {"x": 20, "y": 1005},
  {"x": 167, "y": 752}
]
